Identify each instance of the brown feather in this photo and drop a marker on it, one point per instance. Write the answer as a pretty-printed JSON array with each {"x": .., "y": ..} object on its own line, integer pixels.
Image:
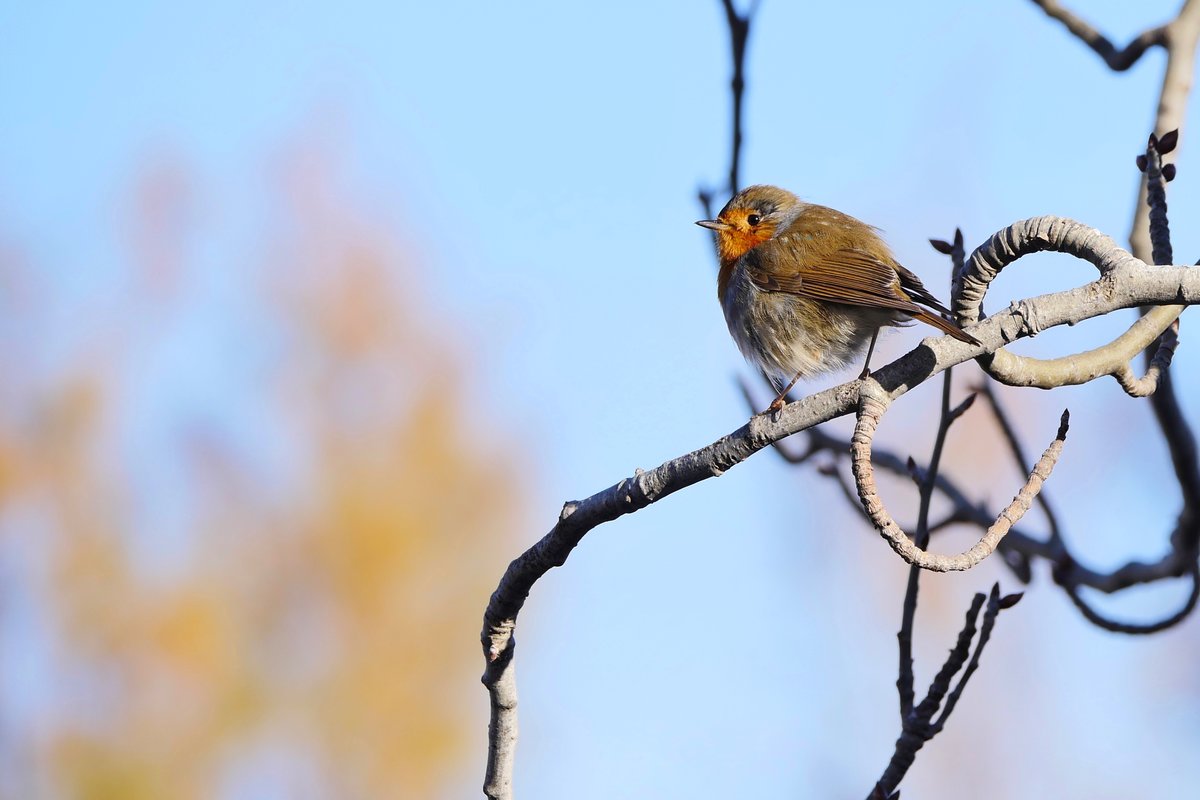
[
  {"x": 946, "y": 326},
  {"x": 821, "y": 256}
]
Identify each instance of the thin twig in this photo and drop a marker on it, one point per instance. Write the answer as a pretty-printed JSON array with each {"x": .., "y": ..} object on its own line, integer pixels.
[
  {"x": 739, "y": 35},
  {"x": 917, "y": 726},
  {"x": 1136, "y": 628},
  {"x": 1118, "y": 60},
  {"x": 904, "y": 679},
  {"x": 995, "y": 604}
]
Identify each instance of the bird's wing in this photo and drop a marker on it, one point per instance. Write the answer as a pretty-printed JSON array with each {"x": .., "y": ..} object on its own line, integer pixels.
[
  {"x": 849, "y": 276},
  {"x": 854, "y": 277}
]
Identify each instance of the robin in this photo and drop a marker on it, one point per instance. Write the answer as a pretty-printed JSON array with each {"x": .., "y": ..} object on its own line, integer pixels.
[{"x": 805, "y": 288}]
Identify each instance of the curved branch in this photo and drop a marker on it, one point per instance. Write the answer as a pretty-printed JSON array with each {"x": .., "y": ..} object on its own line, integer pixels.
[
  {"x": 1135, "y": 628},
  {"x": 873, "y": 404},
  {"x": 1163, "y": 354},
  {"x": 1110, "y": 359},
  {"x": 1016, "y": 546},
  {"x": 1073, "y": 238},
  {"x": 1174, "y": 563}
]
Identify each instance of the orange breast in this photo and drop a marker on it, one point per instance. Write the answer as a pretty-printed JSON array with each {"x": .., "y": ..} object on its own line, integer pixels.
[{"x": 732, "y": 245}]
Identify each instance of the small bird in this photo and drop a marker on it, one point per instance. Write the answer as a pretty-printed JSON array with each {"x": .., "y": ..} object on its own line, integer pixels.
[{"x": 805, "y": 288}]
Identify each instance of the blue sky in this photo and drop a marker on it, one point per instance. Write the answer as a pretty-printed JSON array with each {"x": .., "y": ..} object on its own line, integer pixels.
[{"x": 736, "y": 640}]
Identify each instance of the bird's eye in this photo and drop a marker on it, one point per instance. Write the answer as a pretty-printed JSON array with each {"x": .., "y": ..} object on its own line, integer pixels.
[{"x": 753, "y": 220}]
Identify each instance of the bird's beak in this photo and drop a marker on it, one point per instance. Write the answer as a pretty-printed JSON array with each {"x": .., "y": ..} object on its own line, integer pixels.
[{"x": 714, "y": 224}]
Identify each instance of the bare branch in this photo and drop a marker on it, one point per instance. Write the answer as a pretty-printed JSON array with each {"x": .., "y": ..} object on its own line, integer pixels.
[
  {"x": 1018, "y": 453},
  {"x": 1064, "y": 236},
  {"x": 1015, "y": 548},
  {"x": 995, "y": 604},
  {"x": 1126, "y": 283},
  {"x": 502, "y": 725},
  {"x": 739, "y": 34},
  {"x": 1181, "y": 441},
  {"x": 1117, "y": 60},
  {"x": 1148, "y": 384},
  {"x": 1068, "y": 573},
  {"x": 904, "y": 679},
  {"x": 1182, "y": 35},
  {"x": 918, "y": 725},
  {"x": 1154, "y": 186},
  {"x": 873, "y": 403},
  {"x": 1157, "y": 177},
  {"x": 1179, "y": 38},
  {"x": 1133, "y": 628},
  {"x": 958, "y": 657}
]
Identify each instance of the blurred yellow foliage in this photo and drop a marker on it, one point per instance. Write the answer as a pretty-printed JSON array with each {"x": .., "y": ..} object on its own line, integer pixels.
[{"x": 314, "y": 630}]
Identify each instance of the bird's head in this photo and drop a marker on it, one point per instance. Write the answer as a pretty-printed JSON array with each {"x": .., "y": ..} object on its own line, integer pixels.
[{"x": 751, "y": 218}]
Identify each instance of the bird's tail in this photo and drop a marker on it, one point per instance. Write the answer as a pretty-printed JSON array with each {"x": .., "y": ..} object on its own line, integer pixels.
[{"x": 946, "y": 326}]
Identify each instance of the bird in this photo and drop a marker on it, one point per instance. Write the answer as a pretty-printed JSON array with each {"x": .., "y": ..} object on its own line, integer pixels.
[{"x": 805, "y": 288}]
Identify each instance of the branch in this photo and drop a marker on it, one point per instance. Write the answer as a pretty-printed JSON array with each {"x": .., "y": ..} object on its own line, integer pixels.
[
  {"x": 1072, "y": 577},
  {"x": 1134, "y": 628},
  {"x": 919, "y": 725},
  {"x": 904, "y": 679},
  {"x": 1064, "y": 236},
  {"x": 1127, "y": 283},
  {"x": 995, "y": 605},
  {"x": 1182, "y": 35},
  {"x": 1018, "y": 454},
  {"x": 1015, "y": 548},
  {"x": 1181, "y": 441},
  {"x": 874, "y": 403},
  {"x": 739, "y": 34},
  {"x": 1179, "y": 38},
  {"x": 1117, "y": 60},
  {"x": 1156, "y": 177}
]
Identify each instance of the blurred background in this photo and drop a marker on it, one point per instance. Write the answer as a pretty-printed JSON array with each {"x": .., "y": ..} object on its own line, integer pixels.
[{"x": 311, "y": 318}]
